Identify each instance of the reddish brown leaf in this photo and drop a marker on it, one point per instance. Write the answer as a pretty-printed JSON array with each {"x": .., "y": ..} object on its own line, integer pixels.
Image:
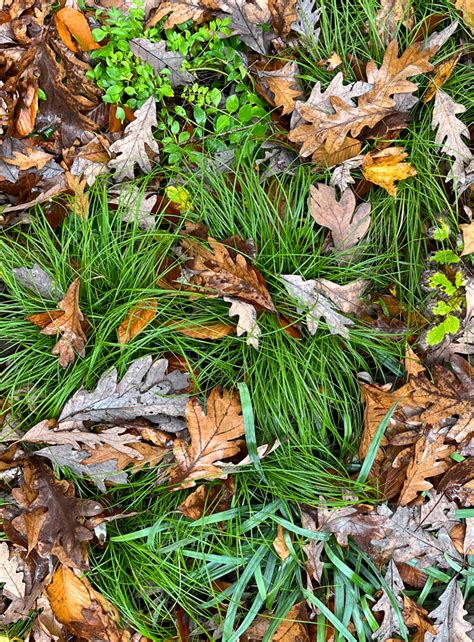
[{"x": 73, "y": 28}]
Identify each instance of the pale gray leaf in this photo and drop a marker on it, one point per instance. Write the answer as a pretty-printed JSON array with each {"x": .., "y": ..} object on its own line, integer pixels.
[
  {"x": 39, "y": 281},
  {"x": 313, "y": 549},
  {"x": 136, "y": 205},
  {"x": 391, "y": 622},
  {"x": 145, "y": 390},
  {"x": 437, "y": 39},
  {"x": 11, "y": 573},
  {"x": 131, "y": 149},
  {"x": 448, "y": 617},
  {"x": 405, "y": 102},
  {"x": 341, "y": 176},
  {"x": 308, "y": 17},
  {"x": 246, "y": 20},
  {"x": 156, "y": 55},
  {"x": 346, "y": 298},
  {"x": 278, "y": 160},
  {"x": 247, "y": 322}
]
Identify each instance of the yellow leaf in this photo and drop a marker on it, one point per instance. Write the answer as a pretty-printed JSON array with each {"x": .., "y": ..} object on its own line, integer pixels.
[
  {"x": 205, "y": 331},
  {"x": 73, "y": 27},
  {"x": 443, "y": 73},
  {"x": 385, "y": 167},
  {"x": 137, "y": 319},
  {"x": 467, "y": 9},
  {"x": 180, "y": 197}
]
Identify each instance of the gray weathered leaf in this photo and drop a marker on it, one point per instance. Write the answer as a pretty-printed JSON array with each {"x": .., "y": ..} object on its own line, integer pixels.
[
  {"x": 448, "y": 617},
  {"x": 308, "y": 17},
  {"x": 391, "y": 623},
  {"x": 247, "y": 320},
  {"x": 11, "y": 573},
  {"x": 131, "y": 149},
  {"x": 145, "y": 390},
  {"x": 39, "y": 281},
  {"x": 348, "y": 223},
  {"x": 321, "y": 298},
  {"x": 450, "y": 131},
  {"x": 136, "y": 205},
  {"x": 156, "y": 55},
  {"x": 246, "y": 20},
  {"x": 313, "y": 549},
  {"x": 437, "y": 39},
  {"x": 341, "y": 176}
]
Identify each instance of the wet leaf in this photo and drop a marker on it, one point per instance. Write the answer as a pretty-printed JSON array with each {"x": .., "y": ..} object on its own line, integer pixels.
[
  {"x": 137, "y": 319},
  {"x": 73, "y": 28},
  {"x": 293, "y": 627},
  {"x": 179, "y": 11},
  {"x": 385, "y": 167},
  {"x": 284, "y": 14},
  {"x": 208, "y": 500},
  {"x": 448, "y": 617},
  {"x": 214, "y": 436}
]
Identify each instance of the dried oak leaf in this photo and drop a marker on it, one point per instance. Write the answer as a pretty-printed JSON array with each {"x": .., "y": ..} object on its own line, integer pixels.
[
  {"x": 73, "y": 27},
  {"x": 131, "y": 149},
  {"x": 344, "y": 119},
  {"x": 145, "y": 390},
  {"x": 14, "y": 587},
  {"x": 84, "y": 612},
  {"x": 442, "y": 75},
  {"x": 390, "y": 624},
  {"x": 207, "y": 500},
  {"x": 293, "y": 627},
  {"x": 348, "y": 223},
  {"x": 283, "y": 14},
  {"x": 361, "y": 523},
  {"x": 50, "y": 517},
  {"x": 214, "y": 436},
  {"x": 179, "y": 11},
  {"x": 218, "y": 271},
  {"x": 159, "y": 57},
  {"x": 448, "y": 617},
  {"x": 415, "y": 617},
  {"x": 246, "y": 20},
  {"x": 283, "y": 84},
  {"x": 467, "y": 10},
  {"x": 247, "y": 322},
  {"x": 67, "y": 321},
  {"x": 203, "y": 330},
  {"x": 138, "y": 317},
  {"x": 467, "y": 230},
  {"x": 391, "y": 14},
  {"x": 385, "y": 167}
]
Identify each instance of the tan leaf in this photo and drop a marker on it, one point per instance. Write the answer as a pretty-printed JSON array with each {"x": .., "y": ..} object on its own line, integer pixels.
[
  {"x": 27, "y": 109},
  {"x": 415, "y": 617},
  {"x": 208, "y": 500},
  {"x": 68, "y": 322},
  {"x": 349, "y": 149},
  {"x": 413, "y": 365},
  {"x": 293, "y": 628},
  {"x": 36, "y": 158},
  {"x": 283, "y": 83},
  {"x": 348, "y": 223},
  {"x": 84, "y": 612},
  {"x": 179, "y": 11},
  {"x": 466, "y": 7},
  {"x": 332, "y": 62},
  {"x": 204, "y": 331},
  {"x": 377, "y": 403},
  {"x": 343, "y": 118},
  {"x": 390, "y": 15},
  {"x": 247, "y": 323},
  {"x": 214, "y": 436},
  {"x": 385, "y": 167},
  {"x": 283, "y": 14},
  {"x": 219, "y": 272},
  {"x": 280, "y": 545},
  {"x": 468, "y": 238},
  {"x": 429, "y": 460},
  {"x": 73, "y": 28},
  {"x": 11, "y": 573},
  {"x": 80, "y": 205},
  {"x": 443, "y": 74},
  {"x": 137, "y": 319}
]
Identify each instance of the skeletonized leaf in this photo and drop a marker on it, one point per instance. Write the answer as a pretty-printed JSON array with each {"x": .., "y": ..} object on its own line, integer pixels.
[
  {"x": 37, "y": 280},
  {"x": 385, "y": 167},
  {"x": 448, "y": 617},
  {"x": 66, "y": 321},
  {"x": 391, "y": 623},
  {"x": 348, "y": 223},
  {"x": 214, "y": 436},
  {"x": 450, "y": 132},
  {"x": 137, "y": 319},
  {"x": 145, "y": 390},
  {"x": 131, "y": 150},
  {"x": 247, "y": 320},
  {"x": 156, "y": 54}
]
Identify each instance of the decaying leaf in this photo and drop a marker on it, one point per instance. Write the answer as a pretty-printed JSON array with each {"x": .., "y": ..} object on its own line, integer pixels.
[
  {"x": 385, "y": 167},
  {"x": 467, "y": 230},
  {"x": 73, "y": 28},
  {"x": 322, "y": 298},
  {"x": 448, "y": 617},
  {"x": 216, "y": 271},
  {"x": 36, "y": 158},
  {"x": 14, "y": 586},
  {"x": 131, "y": 150},
  {"x": 415, "y": 617},
  {"x": 280, "y": 545},
  {"x": 313, "y": 549},
  {"x": 391, "y": 623},
  {"x": 284, "y": 14},
  {"x": 179, "y": 11},
  {"x": 49, "y": 517},
  {"x": 138, "y": 317},
  {"x": 360, "y": 522},
  {"x": 67, "y": 321},
  {"x": 159, "y": 57},
  {"x": 247, "y": 19},
  {"x": 247, "y": 320},
  {"x": 348, "y": 223},
  {"x": 207, "y": 500},
  {"x": 391, "y": 14},
  {"x": 38, "y": 280},
  {"x": 283, "y": 83},
  {"x": 214, "y": 436},
  {"x": 84, "y": 612},
  {"x": 145, "y": 390},
  {"x": 136, "y": 206},
  {"x": 293, "y": 628}
]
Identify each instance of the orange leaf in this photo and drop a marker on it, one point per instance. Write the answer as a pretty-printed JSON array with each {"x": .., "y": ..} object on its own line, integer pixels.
[
  {"x": 205, "y": 331},
  {"x": 27, "y": 110},
  {"x": 73, "y": 27},
  {"x": 385, "y": 167},
  {"x": 443, "y": 73},
  {"x": 137, "y": 319}
]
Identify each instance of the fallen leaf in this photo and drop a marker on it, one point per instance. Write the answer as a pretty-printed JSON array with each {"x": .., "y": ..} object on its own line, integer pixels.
[
  {"x": 27, "y": 108},
  {"x": 80, "y": 203},
  {"x": 179, "y": 11},
  {"x": 390, "y": 624},
  {"x": 322, "y": 298},
  {"x": 73, "y": 27},
  {"x": 159, "y": 57},
  {"x": 467, "y": 230},
  {"x": 360, "y": 522},
  {"x": 283, "y": 83},
  {"x": 38, "y": 281},
  {"x": 292, "y": 628},
  {"x": 443, "y": 74},
  {"x": 214, "y": 436},
  {"x": 204, "y": 331},
  {"x": 348, "y": 223},
  {"x": 385, "y": 167},
  {"x": 131, "y": 150},
  {"x": 313, "y": 549},
  {"x": 466, "y": 7},
  {"x": 308, "y": 15},
  {"x": 145, "y": 390},
  {"x": 284, "y": 14},
  {"x": 35, "y": 158},
  {"x": 136, "y": 205},
  {"x": 331, "y": 63},
  {"x": 247, "y": 19},
  {"x": 450, "y": 132},
  {"x": 84, "y": 612},
  {"x": 391, "y": 14},
  {"x": 348, "y": 150},
  {"x": 247, "y": 320},
  {"x": 280, "y": 545},
  {"x": 218, "y": 271},
  {"x": 448, "y": 617},
  {"x": 208, "y": 500},
  {"x": 412, "y": 363},
  {"x": 66, "y": 321},
  {"x": 49, "y": 516},
  {"x": 14, "y": 586},
  {"x": 415, "y": 617},
  {"x": 138, "y": 317}
]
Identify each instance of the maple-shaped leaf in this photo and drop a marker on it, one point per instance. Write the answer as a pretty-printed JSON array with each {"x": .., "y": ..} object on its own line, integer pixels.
[
  {"x": 215, "y": 435},
  {"x": 159, "y": 57},
  {"x": 145, "y": 390},
  {"x": 348, "y": 223},
  {"x": 322, "y": 298},
  {"x": 218, "y": 272},
  {"x": 85, "y": 613},
  {"x": 385, "y": 167},
  {"x": 179, "y": 11},
  {"x": 137, "y": 318},
  {"x": 448, "y": 617},
  {"x": 283, "y": 83},
  {"x": 67, "y": 321},
  {"x": 450, "y": 132},
  {"x": 131, "y": 150},
  {"x": 49, "y": 516},
  {"x": 390, "y": 624},
  {"x": 392, "y": 78}
]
